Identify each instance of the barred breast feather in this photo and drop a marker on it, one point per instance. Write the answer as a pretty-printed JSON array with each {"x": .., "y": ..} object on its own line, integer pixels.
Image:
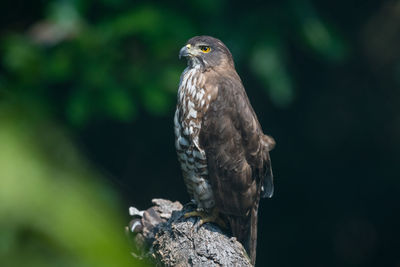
[{"x": 193, "y": 102}]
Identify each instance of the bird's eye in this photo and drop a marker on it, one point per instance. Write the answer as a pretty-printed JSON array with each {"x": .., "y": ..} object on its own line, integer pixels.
[{"x": 205, "y": 49}]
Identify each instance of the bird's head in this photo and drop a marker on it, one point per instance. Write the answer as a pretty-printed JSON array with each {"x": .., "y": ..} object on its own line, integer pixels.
[{"x": 206, "y": 52}]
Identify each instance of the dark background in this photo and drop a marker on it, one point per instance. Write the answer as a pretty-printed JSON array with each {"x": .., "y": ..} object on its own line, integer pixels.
[{"x": 101, "y": 78}]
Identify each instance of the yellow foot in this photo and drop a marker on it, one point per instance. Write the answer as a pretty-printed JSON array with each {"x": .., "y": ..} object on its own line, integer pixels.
[{"x": 206, "y": 217}]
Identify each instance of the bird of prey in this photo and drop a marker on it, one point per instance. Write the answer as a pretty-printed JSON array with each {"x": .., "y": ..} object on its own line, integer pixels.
[{"x": 222, "y": 150}]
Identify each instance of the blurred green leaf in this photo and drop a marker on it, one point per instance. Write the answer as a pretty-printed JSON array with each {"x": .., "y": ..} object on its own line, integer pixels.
[
  {"x": 143, "y": 20},
  {"x": 268, "y": 63},
  {"x": 52, "y": 211},
  {"x": 80, "y": 107},
  {"x": 317, "y": 34},
  {"x": 59, "y": 67},
  {"x": 156, "y": 101},
  {"x": 22, "y": 57},
  {"x": 120, "y": 105}
]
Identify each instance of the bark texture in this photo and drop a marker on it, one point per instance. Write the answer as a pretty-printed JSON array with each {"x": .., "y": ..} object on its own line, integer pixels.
[{"x": 162, "y": 235}]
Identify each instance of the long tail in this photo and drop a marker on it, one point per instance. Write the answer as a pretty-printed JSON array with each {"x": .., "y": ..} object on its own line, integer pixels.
[{"x": 245, "y": 230}]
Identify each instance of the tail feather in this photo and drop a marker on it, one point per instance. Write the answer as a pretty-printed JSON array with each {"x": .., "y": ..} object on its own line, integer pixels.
[
  {"x": 267, "y": 186},
  {"x": 245, "y": 230}
]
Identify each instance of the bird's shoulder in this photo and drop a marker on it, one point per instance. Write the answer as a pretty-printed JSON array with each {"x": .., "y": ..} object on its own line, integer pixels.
[
  {"x": 230, "y": 116},
  {"x": 225, "y": 85}
]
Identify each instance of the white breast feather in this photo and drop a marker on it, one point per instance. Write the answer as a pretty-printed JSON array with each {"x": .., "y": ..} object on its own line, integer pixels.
[{"x": 187, "y": 124}]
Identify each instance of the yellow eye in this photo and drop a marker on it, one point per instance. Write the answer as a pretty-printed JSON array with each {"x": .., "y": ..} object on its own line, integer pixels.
[{"x": 205, "y": 49}]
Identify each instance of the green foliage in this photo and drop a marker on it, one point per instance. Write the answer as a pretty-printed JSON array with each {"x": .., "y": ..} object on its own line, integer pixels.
[
  {"x": 317, "y": 34},
  {"x": 53, "y": 212},
  {"x": 122, "y": 59},
  {"x": 110, "y": 68},
  {"x": 267, "y": 63}
]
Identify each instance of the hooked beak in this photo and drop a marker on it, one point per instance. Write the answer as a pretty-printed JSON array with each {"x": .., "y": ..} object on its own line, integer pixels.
[{"x": 184, "y": 52}]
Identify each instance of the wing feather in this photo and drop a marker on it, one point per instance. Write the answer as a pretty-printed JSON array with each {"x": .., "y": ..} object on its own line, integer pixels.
[{"x": 238, "y": 158}]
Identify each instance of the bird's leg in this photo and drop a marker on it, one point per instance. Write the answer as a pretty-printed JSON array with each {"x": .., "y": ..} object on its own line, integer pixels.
[
  {"x": 214, "y": 218},
  {"x": 206, "y": 217}
]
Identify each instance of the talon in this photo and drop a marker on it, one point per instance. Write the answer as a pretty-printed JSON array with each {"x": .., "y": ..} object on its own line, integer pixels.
[
  {"x": 206, "y": 217},
  {"x": 217, "y": 221},
  {"x": 195, "y": 213}
]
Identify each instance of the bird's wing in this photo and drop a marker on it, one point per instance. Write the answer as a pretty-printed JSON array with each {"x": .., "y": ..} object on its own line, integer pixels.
[
  {"x": 237, "y": 158},
  {"x": 231, "y": 146},
  {"x": 237, "y": 150}
]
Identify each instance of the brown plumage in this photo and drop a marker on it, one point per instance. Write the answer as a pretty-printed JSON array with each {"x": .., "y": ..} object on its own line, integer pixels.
[{"x": 223, "y": 152}]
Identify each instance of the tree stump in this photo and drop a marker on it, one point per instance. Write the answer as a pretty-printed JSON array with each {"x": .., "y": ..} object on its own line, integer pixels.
[{"x": 162, "y": 235}]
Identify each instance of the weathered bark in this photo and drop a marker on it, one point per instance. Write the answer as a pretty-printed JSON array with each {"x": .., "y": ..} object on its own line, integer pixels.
[{"x": 162, "y": 235}]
